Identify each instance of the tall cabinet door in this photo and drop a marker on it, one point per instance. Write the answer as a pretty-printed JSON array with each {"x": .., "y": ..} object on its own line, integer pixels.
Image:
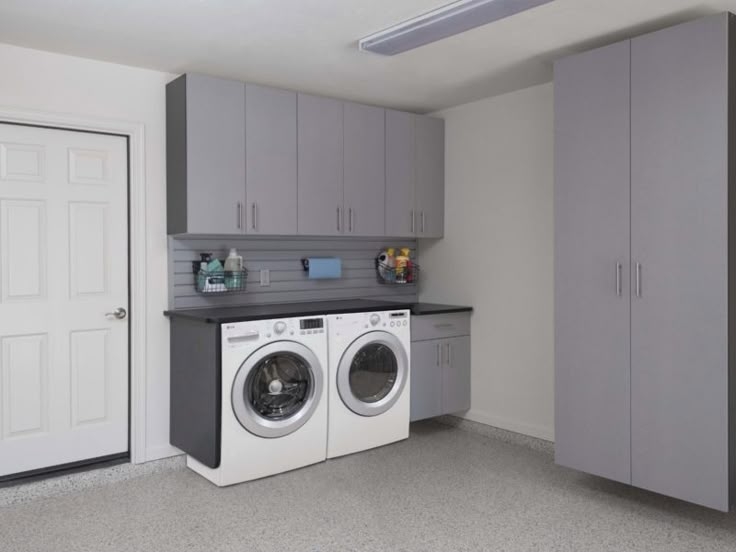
[
  {"x": 430, "y": 176},
  {"x": 400, "y": 212},
  {"x": 364, "y": 165},
  {"x": 592, "y": 379},
  {"x": 270, "y": 160},
  {"x": 679, "y": 318},
  {"x": 320, "y": 165}
]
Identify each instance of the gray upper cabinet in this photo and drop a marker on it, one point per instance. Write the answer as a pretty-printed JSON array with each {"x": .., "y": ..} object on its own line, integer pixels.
[
  {"x": 248, "y": 159},
  {"x": 364, "y": 169},
  {"x": 205, "y": 126},
  {"x": 400, "y": 209},
  {"x": 270, "y": 161},
  {"x": 320, "y": 166},
  {"x": 430, "y": 176},
  {"x": 679, "y": 236},
  {"x": 592, "y": 410}
]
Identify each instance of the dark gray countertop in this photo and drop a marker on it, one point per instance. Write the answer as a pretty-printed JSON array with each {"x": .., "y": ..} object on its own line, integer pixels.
[{"x": 224, "y": 315}]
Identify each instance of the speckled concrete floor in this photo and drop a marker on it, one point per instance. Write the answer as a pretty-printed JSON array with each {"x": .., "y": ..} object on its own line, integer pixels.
[{"x": 444, "y": 489}]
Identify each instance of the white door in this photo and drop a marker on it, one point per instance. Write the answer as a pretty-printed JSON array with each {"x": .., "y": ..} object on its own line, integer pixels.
[{"x": 63, "y": 266}]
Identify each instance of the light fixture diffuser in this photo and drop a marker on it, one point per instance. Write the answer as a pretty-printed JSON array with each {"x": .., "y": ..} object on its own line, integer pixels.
[{"x": 448, "y": 20}]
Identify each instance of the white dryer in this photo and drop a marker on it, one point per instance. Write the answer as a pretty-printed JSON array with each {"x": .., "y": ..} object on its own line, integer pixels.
[
  {"x": 274, "y": 403},
  {"x": 369, "y": 380}
]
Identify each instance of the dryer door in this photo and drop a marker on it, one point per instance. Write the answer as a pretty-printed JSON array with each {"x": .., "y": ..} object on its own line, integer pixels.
[
  {"x": 372, "y": 373},
  {"x": 277, "y": 389}
]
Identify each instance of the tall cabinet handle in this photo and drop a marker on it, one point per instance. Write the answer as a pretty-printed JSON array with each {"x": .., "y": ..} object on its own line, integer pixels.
[
  {"x": 638, "y": 279},
  {"x": 422, "y": 222},
  {"x": 240, "y": 215},
  {"x": 439, "y": 349},
  {"x": 338, "y": 219},
  {"x": 449, "y": 354},
  {"x": 254, "y": 221},
  {"x": 412, "y": 221},
  {"x": 619, "y": 289},
  {"x": 350, "y": 219}
]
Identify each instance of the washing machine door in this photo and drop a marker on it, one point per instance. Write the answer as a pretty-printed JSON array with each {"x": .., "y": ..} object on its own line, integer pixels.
[
  {"x": 277, "y": 389},
  {"x": 372, "y": 373}
]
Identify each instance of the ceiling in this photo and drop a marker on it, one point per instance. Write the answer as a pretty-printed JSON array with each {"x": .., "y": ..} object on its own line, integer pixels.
[{"x": 311, "y": 45}]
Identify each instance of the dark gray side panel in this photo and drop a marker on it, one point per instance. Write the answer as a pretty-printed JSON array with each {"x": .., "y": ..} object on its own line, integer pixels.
[
  {"x": 196, "y": 396},
  {"x": 176, "y": 156},
  {"x": 732, "y": 257}
]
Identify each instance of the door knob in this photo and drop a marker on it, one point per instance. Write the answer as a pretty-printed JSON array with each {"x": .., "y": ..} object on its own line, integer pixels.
[{"x": 118, "y": 313}]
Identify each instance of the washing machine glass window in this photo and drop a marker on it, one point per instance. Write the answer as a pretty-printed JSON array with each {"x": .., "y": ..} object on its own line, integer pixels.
[
  {"x": 278, "y": 386},
  {"x": 372, "y": 373},
  {"x": 277, "y": 389}
]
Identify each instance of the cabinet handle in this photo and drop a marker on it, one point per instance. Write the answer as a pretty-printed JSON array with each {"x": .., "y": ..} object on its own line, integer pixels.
[
  {"x": 412, "y": 221},
  {"x": 240, "y": 215},
  {"x": 422, "y": 222},
  {"x": 338, "y": 219},
  {"x": 619, "y": 290},
  {"x": 638, "y": 280},
  {"x": 449, "y": 354},
  {"x": 439, "y": 349},
  {"x": 350, "y": 219},
  {"x": 254, "y": 222}
]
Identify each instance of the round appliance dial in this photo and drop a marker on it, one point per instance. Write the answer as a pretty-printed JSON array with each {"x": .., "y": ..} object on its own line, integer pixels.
[
  {"x": 279, "y": 327},
  {"x": 374, "y": 319}
]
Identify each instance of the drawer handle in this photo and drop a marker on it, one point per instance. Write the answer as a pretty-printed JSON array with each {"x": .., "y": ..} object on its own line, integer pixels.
[{"x": 444, "y": 325}]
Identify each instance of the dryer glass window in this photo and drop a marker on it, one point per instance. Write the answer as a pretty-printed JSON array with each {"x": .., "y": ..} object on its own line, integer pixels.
[
  {"x": 279, "y": 386},
  {"x": 373, "y": 372}
]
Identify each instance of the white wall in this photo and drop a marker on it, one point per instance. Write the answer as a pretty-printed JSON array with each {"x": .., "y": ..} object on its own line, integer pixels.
[
  {"x": 35, "y": 80},
  {"x": 497, "y": 254}
]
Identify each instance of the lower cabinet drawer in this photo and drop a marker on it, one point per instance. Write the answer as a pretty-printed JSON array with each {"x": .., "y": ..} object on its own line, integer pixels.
[{"x": 439, "y": 326}]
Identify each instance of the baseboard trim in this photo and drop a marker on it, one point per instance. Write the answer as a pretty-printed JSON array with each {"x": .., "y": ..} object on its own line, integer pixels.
[
  {"x": 540, "y": 432},
  {"x": 511, "y": 437}
]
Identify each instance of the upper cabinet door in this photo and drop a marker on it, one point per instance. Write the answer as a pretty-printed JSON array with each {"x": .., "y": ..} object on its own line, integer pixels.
[
  {"x": 679, "y": 224},
  {"x": 400, "y": 162},
  {"x": 270, "y": 161},
  {"x": 591, "y": 201},
  {"x": 215, "y": 164},
  {"x": 365, "y": 174},
  {"x": 430, "y": 177},
  {"x": 320, "y": 166}
]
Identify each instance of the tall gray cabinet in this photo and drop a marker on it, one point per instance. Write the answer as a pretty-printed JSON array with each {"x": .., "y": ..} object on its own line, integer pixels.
[{"x": 645, "y": 235}]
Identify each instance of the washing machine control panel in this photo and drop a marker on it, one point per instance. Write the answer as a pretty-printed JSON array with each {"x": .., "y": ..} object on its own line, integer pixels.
[{"x": 374, "y": 319}]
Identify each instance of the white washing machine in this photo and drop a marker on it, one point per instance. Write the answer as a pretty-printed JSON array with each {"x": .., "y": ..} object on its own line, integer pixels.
[
  {"x": 369, "y": 380},
  {"x": 274, "y": 402}
]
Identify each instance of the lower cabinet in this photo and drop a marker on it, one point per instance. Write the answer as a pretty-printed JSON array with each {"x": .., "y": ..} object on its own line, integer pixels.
[{"x": 440, "y": 371}]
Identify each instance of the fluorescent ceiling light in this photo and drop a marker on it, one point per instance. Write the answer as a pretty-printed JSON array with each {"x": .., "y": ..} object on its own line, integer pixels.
[{"x": 446, "y": 21}]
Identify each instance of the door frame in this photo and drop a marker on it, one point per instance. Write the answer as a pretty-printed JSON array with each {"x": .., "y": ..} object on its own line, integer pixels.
[{"x": 137, "y": 285}]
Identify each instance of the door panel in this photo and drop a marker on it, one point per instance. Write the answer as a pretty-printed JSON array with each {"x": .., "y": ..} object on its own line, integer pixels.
[
  {"x": 456, "y": 375},
  {"x": 63, "y": 251},
  {"x": 430, "y": 176},
  {"x": 679, "y": 236},
  {"x": 270, "y": 160},
  {"x": 215, "y": 132},
  {"x": 365, "y": 174},
  {"x": 426, "y": 379},
  {"x": 320, "y": 166},
  {"x": 592, "y": 365},
  {"x": 400, "y": 162}
]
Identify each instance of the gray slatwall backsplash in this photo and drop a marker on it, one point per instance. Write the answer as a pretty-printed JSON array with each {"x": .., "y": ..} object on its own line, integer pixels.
[{"x": 289, "y": 282}]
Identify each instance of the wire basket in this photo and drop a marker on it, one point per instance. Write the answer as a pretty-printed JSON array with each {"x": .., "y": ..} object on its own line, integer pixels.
[
  {"x": 222, "y": 281},
  {"x": 394, "y": 275}
]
